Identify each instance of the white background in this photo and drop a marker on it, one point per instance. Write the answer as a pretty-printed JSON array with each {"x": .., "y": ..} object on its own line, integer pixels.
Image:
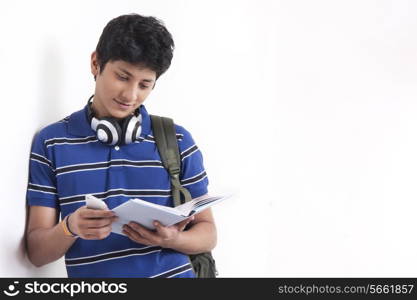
[{"x": 305, "y": 110}]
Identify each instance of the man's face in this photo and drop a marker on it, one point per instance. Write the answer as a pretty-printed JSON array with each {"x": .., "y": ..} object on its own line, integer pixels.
[{"x": 120, "y": 88}]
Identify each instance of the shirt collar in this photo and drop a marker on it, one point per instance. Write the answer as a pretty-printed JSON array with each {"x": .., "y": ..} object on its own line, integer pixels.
[{"x": 78, "y": 124}]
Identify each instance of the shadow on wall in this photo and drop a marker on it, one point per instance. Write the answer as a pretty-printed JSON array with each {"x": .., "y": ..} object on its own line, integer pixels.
[
  {"x": 48, "y": 110},
  {"x": 49, "y": 99}
]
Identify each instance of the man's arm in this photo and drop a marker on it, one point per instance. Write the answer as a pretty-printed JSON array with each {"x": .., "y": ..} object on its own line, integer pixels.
[{"x": 46, "y": 239}]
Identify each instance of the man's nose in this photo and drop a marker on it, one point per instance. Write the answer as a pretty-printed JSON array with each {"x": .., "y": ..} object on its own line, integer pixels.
[{"x": 130, "y": 94}]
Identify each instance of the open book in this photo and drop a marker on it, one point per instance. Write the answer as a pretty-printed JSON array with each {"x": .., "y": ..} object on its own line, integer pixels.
[{"x": 144, "y": 212}]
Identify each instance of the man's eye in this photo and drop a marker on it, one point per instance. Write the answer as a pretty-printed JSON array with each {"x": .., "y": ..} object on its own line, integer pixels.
[
  {"x": 143, "y": 86},
  {"x": 122, "y": 77}
]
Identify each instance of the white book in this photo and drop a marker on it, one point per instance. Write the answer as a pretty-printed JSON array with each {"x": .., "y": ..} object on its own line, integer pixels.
[{"x": 145, "y": 213}]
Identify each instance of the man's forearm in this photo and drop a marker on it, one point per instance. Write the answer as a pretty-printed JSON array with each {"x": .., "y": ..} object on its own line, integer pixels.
[
  {"x": 201, "y": 237},
  {"x": 46, "y": 245}
]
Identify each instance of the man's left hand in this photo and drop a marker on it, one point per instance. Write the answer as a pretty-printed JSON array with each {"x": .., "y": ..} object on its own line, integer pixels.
[{"x": 164, "y": 236}]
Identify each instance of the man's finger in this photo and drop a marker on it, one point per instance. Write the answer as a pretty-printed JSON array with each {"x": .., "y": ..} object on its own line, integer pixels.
[
  {"x": 134, "y": 235},
  {"x": 160, "y": 229},
  {"x": 96, "y": 213},
  {"x": 100, "y": 222},
  {"x": 181, "y": 226}
]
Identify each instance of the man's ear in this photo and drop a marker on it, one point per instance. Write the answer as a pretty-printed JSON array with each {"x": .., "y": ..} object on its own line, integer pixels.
[{"x": 95, "y": 67}]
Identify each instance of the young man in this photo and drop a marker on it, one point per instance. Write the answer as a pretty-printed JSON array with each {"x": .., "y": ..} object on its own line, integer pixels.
[{"x": 107, "y": 149}]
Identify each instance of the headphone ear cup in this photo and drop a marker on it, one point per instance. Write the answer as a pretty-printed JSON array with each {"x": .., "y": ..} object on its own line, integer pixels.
[
  {"x": 109, "y": 131},
  {"x": 131, "y": 129}
]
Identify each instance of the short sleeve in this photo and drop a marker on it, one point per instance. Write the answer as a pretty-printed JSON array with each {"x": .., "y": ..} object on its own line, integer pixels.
[
  {"x": 193, "y": 174},
  {"x": 41, "y": 190}
]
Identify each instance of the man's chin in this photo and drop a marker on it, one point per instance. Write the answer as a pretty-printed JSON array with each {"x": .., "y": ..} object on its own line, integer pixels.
[{"x": 120, "y": 115}]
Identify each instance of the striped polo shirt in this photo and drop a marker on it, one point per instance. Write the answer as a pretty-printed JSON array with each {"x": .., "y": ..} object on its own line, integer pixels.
[{"x": 67, "y": 162}]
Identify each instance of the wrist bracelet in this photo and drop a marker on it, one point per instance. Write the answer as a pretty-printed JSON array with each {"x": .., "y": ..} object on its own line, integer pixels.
[{"x": 65, "y": 227}]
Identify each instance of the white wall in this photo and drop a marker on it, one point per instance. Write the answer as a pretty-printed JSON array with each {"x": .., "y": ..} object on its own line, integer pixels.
[{"x": 305, "y": 109}]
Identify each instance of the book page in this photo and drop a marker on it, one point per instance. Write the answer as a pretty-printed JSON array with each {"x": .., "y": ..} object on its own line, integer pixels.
[{"x": 199, "y": 204}]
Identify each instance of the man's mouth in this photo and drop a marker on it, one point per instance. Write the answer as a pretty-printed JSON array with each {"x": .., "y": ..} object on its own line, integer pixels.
[{"x": 121, "y": 103}]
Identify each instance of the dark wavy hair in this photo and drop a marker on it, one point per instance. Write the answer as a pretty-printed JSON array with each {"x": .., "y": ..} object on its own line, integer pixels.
[{"x": 137, "y": 39}]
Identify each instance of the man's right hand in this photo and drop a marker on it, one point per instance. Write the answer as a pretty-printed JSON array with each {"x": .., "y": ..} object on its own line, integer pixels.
[{"x": 91, "y": 224}]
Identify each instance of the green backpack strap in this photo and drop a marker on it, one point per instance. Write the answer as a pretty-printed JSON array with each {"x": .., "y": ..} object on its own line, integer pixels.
[
  {"x": 163, "y": 128},
  {"x": 167, "y": 144}
]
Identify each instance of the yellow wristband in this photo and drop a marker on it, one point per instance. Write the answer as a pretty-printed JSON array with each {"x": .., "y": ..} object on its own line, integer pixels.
[{"x": 65, "y": 227}]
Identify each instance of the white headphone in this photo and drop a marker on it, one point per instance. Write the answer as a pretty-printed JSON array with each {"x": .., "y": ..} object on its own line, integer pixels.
[{"x": 110, "y": 132}]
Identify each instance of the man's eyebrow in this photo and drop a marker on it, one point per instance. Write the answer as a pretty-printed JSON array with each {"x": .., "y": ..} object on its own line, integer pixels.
[{"x": 129, "y": 74}]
